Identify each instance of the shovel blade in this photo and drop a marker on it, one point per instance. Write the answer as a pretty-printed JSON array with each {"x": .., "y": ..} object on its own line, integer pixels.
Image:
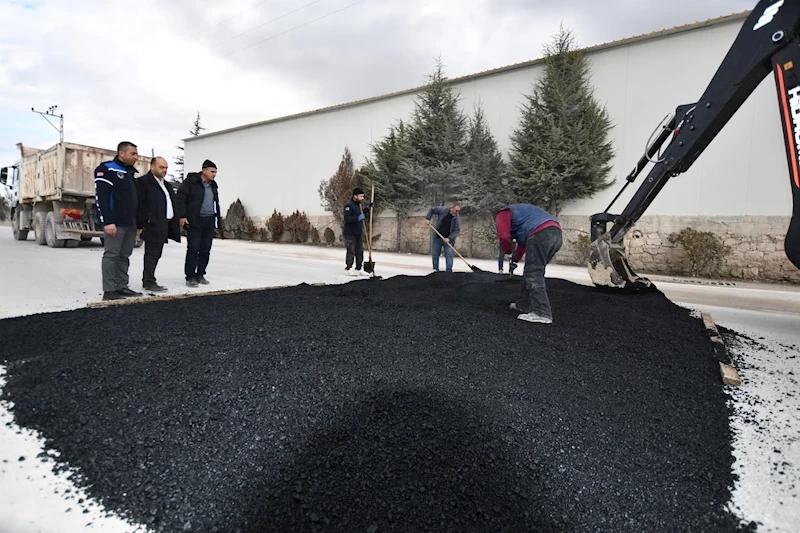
[{"x": 369, "y": 266}]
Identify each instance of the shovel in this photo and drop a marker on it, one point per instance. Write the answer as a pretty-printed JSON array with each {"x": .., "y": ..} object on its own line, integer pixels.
[
  {"x": 472, "y": 267},
  {"x": 369, "y": 266}
]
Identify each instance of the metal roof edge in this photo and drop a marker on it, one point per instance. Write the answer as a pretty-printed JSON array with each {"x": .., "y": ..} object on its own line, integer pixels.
[{"x": 482, "y": 74}]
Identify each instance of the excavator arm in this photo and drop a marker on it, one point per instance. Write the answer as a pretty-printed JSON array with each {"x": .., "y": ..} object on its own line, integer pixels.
[{"x": 768, "y": 42}]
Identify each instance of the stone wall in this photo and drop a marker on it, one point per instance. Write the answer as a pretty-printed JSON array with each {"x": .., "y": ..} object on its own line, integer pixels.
[{"x": 756, "y": 243}]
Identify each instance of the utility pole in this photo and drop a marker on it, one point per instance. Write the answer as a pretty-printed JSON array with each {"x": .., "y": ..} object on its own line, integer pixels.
[{"x": 51, "y": 113}]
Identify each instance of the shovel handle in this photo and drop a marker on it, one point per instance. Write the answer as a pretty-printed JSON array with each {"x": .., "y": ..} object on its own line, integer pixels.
[
  {"x": 450, "y": 245},
  {"x": 369, "y": 241}
]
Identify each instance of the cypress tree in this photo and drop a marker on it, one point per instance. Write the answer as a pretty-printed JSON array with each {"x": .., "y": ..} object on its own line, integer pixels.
[{"x": 561, "y": 152}]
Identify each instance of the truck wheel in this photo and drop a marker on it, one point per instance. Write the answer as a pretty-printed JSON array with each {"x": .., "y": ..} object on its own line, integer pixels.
[
  {"x": 19, "y": 234},
  {"x": 38, "y": 228},
  {"x": 50, "y": 232},
  {"x": 71, "y": 243},
  {"x": 86, "y": 238}
]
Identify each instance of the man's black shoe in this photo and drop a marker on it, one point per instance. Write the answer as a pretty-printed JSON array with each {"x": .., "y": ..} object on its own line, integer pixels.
[
  {"x": 155, "y": 287},
  {"x": 112, "y": 295},
  {"x": 127, "y": 292},
  {"x": 202, "y": 280}
]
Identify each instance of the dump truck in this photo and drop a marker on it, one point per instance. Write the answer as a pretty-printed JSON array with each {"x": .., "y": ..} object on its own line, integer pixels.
[{"x": 52, "y": 193}]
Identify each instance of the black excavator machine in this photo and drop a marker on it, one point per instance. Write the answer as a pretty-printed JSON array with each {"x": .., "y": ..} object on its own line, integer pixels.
[{"x": 768, "y": 42}]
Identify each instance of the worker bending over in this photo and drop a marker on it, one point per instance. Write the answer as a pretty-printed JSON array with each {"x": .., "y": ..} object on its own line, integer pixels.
[
  {"x": 448, "y": 227},
  {"x": 538, "y": 236}
]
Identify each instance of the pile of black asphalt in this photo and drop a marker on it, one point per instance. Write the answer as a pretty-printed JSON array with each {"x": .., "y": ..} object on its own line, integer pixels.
[{"x": 403, "y": 404}]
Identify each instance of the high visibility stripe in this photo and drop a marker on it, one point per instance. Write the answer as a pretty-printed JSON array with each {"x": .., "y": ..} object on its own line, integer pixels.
[{"x": 787, "y": 122}]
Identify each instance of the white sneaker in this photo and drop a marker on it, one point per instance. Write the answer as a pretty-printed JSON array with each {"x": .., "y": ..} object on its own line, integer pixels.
[
  {"x": 362, "y": 272},
  {"x": 533, "y": 317},
  {"x": 350, "y": 273}
]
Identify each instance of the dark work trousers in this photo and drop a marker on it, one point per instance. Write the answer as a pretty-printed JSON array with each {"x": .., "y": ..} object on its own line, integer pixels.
[
  {"x": 198, "y": 249},
  {"x": 500, "y": 259},
  {"x": 152, "y": 253},
  {"x": 539, "y": 250},
  {"x": 355, "y": 251},
  {"x": 116, "y": 258}
]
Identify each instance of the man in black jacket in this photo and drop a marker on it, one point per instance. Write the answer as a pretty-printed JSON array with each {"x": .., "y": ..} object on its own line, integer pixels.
[
  {"x": 157, "y": 217},
  {"x": 353, "y": 232},
  {"x": 198, "y": 206},
  {"x": 117, "y": 206}
]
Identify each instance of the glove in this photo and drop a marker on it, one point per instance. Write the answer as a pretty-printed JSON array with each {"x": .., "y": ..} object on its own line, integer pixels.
[
  {"x": 368, "y": 206},
  {"x": 361, "y": 217}
]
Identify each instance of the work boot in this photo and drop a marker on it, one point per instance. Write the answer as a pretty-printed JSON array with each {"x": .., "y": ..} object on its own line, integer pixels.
[
  {"x": 202, "y": 280},
  {"x": 155, "y": 287},
  {"x": 533, "y": 317},
  {"x": 112, "y": 295},
  {"x": 191, "y": 282},
  {"x": 127, "y": 292}
]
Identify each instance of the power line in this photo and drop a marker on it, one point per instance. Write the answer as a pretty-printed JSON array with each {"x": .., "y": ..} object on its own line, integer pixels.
[
  {"x": 267, "y": 22},
  {"x": 233, "y": 17},
  {"x": 295, "y": 28}
]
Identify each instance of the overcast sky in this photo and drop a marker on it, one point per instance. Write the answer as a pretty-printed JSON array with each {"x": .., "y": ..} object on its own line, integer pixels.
[{"x": 140, "y": 70}]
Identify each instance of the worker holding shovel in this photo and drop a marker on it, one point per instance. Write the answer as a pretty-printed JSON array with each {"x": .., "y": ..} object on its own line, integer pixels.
[
  {"x": 447, "y": 229},
  {"x": 353, "y": 231}
]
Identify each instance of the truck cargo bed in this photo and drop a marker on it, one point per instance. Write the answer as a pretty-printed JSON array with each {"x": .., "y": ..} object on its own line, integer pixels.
[{"x": 65, "y": 169}]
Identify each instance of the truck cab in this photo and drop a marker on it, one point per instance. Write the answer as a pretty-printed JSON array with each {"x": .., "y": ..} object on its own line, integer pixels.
[{"x": 9, "y": 176}]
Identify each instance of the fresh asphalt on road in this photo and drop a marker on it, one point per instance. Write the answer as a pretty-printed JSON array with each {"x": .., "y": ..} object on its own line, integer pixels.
[{"x": 36, "y": 279}]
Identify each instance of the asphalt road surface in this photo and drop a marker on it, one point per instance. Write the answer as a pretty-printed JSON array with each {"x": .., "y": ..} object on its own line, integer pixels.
[{"x": 35, "y": 279}]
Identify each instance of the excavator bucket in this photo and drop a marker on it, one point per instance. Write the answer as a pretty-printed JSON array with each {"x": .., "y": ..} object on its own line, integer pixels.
[{"x": 608, "y": 267}]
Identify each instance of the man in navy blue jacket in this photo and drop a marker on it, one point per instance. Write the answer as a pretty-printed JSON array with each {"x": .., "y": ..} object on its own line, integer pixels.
[
  {"x": 117, "y": 206},
  {"x": 353, "y": 231},
  {"x": 538, "y": 236}
]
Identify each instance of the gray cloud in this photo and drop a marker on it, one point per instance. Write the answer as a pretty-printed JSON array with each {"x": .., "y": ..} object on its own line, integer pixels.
[
  {"x": 377, "y": 47},
  {"x": 381, "y": 47}
]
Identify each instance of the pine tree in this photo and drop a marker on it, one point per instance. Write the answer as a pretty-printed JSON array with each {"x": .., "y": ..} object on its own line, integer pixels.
[
  {"x": 397, "y": 186},
  {"x": 436, "y": 134},
  {"x": 487, "y": 171},
  {"x": 487, "y": 184},
  {"x": 196, "y": 127},
  {"x": 336, "y": 191},
  {"x": 195, "y": 131},
  {"x": 560, "y": 152}
]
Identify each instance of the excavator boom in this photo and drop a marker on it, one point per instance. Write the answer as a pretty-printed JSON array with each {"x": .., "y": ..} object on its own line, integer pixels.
[{"x": 768, "y": 42}]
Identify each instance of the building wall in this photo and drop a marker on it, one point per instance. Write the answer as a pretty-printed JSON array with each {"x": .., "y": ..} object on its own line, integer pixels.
[{"x": 743, "y": 174}]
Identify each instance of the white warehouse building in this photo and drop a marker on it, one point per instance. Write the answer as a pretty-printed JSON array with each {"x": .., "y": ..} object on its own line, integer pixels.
[{"x": 739, "y": 188}]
